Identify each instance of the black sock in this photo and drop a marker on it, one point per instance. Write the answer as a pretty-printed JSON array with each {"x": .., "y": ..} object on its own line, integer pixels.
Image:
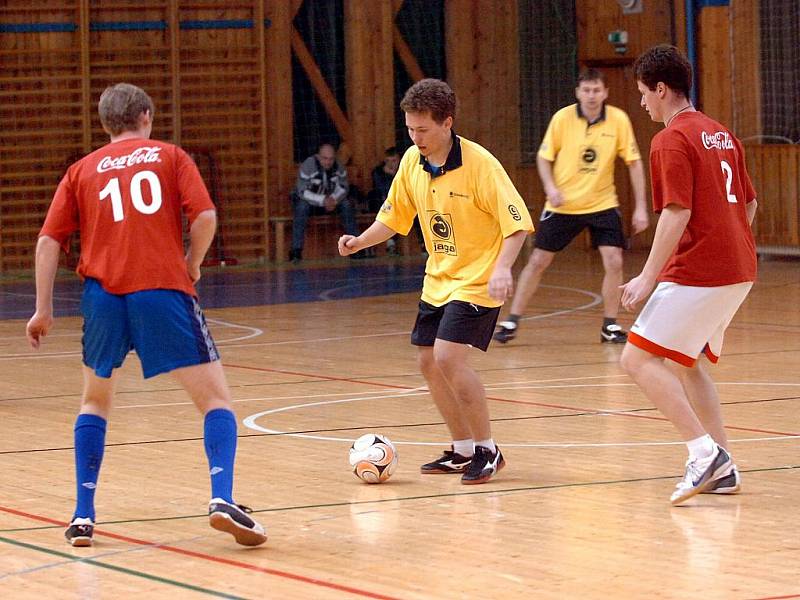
[
  {"x": 608, "y": 321},
  {"x": 513, "y": 318}
]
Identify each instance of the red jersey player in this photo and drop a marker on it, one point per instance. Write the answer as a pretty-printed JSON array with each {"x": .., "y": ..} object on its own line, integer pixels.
[
  {"x": 127, "y": 200},
  {"x": 703, "y": 259}
]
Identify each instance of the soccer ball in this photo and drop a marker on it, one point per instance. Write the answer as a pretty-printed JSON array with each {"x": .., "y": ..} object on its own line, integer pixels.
[{"x": 373, "y": 458}]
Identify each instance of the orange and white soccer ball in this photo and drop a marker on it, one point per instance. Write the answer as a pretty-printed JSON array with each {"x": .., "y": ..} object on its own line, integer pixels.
[{"x": 373, "y": 458}]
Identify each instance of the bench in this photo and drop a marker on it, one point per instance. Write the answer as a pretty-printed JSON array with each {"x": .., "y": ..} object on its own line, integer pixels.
[{"x": 282, "y": 229}]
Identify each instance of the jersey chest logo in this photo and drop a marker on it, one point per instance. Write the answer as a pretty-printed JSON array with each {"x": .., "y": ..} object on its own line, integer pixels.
[{"x": 443, "y": 238}]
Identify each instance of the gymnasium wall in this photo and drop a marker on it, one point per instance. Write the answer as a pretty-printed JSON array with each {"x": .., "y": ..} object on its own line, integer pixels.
[{"x": 220, "y": 74}]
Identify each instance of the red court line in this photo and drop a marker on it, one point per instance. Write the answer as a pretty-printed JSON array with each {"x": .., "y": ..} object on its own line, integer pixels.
[
  {"x": 508, "y": 400},
  {"x": 778, "y": 597},
  {"x": 210, "y": 558}
]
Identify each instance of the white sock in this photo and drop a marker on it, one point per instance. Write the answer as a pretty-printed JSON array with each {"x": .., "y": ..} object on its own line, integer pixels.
[
  {"x": 464, "y": 447},
  {"x": 487, "y": 444},
  {"x": 701, "y": 447}
]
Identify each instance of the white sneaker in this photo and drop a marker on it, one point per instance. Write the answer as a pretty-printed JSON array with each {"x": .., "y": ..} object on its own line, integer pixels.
[{"x": 700, "y": 474}]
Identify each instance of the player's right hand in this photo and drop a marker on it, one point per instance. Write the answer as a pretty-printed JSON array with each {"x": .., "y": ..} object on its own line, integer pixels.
[
  {"x": 347, "y": 245},
  {"x": 555, "y": 198},
  {"x": 37, "y": 328}
]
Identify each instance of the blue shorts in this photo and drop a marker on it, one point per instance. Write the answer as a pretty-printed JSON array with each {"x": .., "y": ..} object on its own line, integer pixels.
[{"x": 166, "y": 328}]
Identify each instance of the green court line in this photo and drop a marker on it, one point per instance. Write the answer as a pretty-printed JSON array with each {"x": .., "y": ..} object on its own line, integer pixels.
[
  {"x": 96, "y": 563},
  {"x": 533, "y": 488}
]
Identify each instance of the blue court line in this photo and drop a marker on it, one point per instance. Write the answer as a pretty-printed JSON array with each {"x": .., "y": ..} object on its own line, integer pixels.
[
  {"x": 129, "y": 26},
  {"x": 229, "y": 288}
]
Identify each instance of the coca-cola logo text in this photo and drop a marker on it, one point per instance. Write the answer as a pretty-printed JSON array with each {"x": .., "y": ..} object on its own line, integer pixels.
[
  {"x": 145, "y": 154},
  {"x": 721, "y": 140}
]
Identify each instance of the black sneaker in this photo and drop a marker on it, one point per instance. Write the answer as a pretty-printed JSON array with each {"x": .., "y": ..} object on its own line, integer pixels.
[
  {"x": 483, "y": 466},
  {"x": 233, "y": 519},
  {"x": 613, "y": 334},
  {"x": 80, "y": 531},
  {"x": 506, "y": 331},
  {"x": 449, "y": 462}
]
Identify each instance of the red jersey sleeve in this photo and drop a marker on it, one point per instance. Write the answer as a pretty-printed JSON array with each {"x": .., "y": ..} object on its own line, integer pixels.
[
  {"x": 62, "y": 216},
  {"x": 194, "y": 197},
  {"x": 670, "y": 169}
]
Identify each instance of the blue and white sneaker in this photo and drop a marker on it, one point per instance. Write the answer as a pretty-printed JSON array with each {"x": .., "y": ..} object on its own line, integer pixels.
[{"x": 701, "y": 474}]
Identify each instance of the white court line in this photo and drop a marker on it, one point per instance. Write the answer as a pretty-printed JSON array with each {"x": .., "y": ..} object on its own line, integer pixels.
[
  {"x": 250, "y": 422},
  {"x": 393, "y": 393},
  {"x": 387, "y": 393},
  {"x": 268, "y": 398},
  {"x": 254, "y": 332},
  {"x": 596, "y": 299}
]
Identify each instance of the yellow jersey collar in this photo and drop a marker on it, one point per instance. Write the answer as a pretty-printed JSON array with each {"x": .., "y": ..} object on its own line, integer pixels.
[{"x": 453, "y": 161}]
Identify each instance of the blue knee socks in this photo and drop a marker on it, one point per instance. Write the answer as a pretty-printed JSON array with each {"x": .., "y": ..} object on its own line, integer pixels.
[
  {"x": 90, "y": 440},
  {"x": 220, "y": 443}
]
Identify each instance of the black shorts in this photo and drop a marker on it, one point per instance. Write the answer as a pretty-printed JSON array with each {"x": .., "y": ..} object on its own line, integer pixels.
[
  {"x": 557, "y": 230},
  {"x": 457, "y": 321}
]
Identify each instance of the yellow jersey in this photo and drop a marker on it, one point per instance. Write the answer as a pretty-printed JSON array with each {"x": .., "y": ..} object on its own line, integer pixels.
[
  {"x": 465, "y": 210},
  {"x": 583, "y": 154}
]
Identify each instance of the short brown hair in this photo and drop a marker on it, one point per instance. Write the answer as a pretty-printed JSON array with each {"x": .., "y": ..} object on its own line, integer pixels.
[
  {"x": 120, "y": 106},
  {"x": 591, "y": 74},
  {"x": 667, "y": 64},
  {"x": 430, "y": 95}
]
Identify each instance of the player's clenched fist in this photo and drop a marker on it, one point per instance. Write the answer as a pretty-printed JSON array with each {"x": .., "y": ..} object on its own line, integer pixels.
[{"x": 347, "y": 245}]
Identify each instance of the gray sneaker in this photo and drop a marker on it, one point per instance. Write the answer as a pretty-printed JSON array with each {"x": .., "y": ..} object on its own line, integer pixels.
[
  {"x": 700, "y": 474},
  {"x": 727, "y": 484}
]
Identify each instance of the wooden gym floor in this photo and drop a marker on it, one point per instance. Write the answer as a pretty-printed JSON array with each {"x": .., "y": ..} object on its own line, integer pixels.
[{"x": 581, "y": 510}]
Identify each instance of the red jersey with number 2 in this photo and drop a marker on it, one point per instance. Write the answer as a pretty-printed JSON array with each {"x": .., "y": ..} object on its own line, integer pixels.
[
  {"x": 127, "y": 200},
  {"x": 698, "y": 164}
]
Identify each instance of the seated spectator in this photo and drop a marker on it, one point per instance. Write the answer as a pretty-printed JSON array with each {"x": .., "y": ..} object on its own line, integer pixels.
[
  {"x": 382, "y": 177},
  {"x": 321, "y": 188}
]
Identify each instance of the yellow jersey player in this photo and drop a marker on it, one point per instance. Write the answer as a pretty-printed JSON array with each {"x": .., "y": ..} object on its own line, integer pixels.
[{"x": 474, "y": 223}]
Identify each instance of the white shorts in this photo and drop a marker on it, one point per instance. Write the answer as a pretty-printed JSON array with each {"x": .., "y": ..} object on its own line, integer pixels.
[{"x": 681, "y": 321}]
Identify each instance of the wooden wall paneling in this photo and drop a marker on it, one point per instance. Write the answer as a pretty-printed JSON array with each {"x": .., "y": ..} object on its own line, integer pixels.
[
  {"x": 775, "y": 172},
  {"x": 714, "y": 64},
  {"x": 131, "y": 44},
  {"x": 370, "y": 84},
  {"x": 282, "y": 170},
  {"x": 679, "y": 20},
  {"x": 324, "y": 93},
  {"x": 462, "y": 50},
  {"x": 221, "y": 110},
  {"x": 260, "y": 26},
  {"x": 790, "y": 188},
  {"x": 597, "y": 18},
  {"x": 746, "y": 82},
  {"x": 402, "y": 48},
  {"x": 86, "y": 88},
  {"x": 504, "y": 127},
  {"x": 173, "y": 25},
  {"x": 41, "y": 118}
]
